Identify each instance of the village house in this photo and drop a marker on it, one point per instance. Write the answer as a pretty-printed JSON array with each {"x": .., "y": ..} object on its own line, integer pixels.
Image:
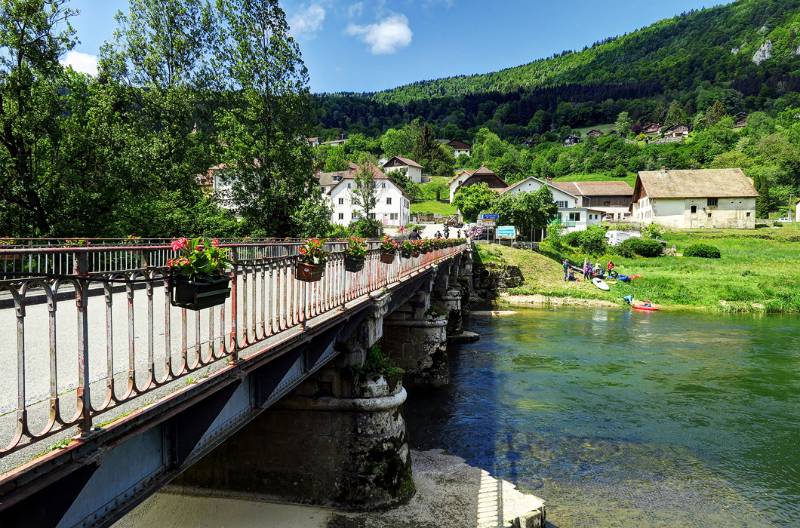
[
  {"x": 312, "y": 141},
  {"x": 675, "y": 133},
  {"x": 409, "y": 167},
  {"x": 468, "y": 177},
  {"x": 702, "y": 198},
  {"x": 740, "y": 120},
  {"x": 217, "y": 182},
  {"x": 612, "y": 198},
  {"x": 594, "y": 133},
  {"x": 459, "y": 148},
  {"x": 651, "y": 129},
  {"x": 571, "y": 140},
  {"x": 392, "y": 207},
  {"x": 571, "y": 213}
]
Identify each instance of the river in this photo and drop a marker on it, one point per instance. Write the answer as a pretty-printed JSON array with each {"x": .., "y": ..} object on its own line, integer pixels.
[
  {"x": 629, "y": 419},
  {"x": 615, "y": 418}
]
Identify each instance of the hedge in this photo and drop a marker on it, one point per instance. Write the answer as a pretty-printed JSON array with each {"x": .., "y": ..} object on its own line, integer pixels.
[
  {"x": 643, "y": 247},
  {"x": 702, "y": 251}
]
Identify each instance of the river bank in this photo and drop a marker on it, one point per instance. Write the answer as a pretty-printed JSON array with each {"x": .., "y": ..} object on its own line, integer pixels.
[
  {"x": 450, "y": 494},
  {"x": 757, "y": 273}
]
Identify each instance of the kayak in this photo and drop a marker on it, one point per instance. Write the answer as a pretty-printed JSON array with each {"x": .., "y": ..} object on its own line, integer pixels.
[
  {"x": 600, "y": 283},
  {"x": 645, "y": 307}
]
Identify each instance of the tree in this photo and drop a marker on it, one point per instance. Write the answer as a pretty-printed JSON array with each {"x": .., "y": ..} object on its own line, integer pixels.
[
  {"x": 715, "y": 113},
  {"x": 397, "y": 142},
  {"x": 33, "y": 35},
  {"x": 623, "y": 124},
  {"x": 266, "y": 118},
  {"x": 365, "y": 192},
  {"x": 676, "y": 115},
  {"x": 527, "y": 211},
  {"x": 474, "y": 199},
  {"x": 312, "y": 217}
]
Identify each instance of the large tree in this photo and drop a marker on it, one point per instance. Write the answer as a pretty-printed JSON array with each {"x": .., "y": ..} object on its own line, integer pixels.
[
  {"x": 33, "y": 35},
  {"x": 474, "y": 199},
  {"x": 264, "y": 124}
]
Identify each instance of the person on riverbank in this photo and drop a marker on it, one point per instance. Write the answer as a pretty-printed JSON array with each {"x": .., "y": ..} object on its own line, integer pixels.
[
  {"x": 565, "y": 265},
  {"x": 587, "y": 270},
  {"x": 609, "y": 268}
]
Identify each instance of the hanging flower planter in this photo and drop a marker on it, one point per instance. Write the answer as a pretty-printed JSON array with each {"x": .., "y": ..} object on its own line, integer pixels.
[
  {"x": 311, "y": 265},
  {"x": 200, "y": 293},
  {"x": 355, "y": 254},
  {"x": 353, "y": 264},
  {"x": 197, "y": 275},
  {"x": 309, "y": 272},
  {"x": 407, "y": 249},
  {"x": 388, "y": 249}
]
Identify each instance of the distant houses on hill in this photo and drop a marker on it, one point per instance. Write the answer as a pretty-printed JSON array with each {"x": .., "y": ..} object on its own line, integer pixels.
[{"x": 460, "y": 148}]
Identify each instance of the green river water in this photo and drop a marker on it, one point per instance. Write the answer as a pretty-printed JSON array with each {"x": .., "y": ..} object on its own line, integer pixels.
[{"x": 629, "y": 419}]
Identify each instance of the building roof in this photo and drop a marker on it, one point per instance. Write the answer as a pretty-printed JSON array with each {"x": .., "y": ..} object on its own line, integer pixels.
[
  {"x": 330, "y": 179},
  {"x": 699, "y": 183},
  {"x": 601, "y": 188},
  {"x": 459, "y": 145},
  {"x": 543, "y": 182},
  {"x": 404, "y": 161}
]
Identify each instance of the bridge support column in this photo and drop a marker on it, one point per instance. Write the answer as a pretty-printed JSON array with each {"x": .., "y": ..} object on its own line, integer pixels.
[{"x": 338, "y": 440}]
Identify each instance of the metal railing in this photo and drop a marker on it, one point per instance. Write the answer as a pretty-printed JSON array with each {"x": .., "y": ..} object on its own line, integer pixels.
[{"x": 80, "y": 344}]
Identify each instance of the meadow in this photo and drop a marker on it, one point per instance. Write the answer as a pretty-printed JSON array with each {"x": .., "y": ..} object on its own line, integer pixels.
[{"x": 759, "y": 272}]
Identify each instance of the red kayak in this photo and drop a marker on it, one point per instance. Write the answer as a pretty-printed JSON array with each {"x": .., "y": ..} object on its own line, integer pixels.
[{"x": 645, "y": 307}]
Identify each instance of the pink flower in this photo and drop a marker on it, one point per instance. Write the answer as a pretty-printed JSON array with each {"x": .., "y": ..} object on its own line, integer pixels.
[
  {"x": 215, "y": 242},
  {"x": 179, "y": 244},
  {"x": 199, "y": 247}
]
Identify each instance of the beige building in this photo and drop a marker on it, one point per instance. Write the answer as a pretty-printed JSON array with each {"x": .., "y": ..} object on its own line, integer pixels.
[
  {"x": 689, "y": 199},
  {"x": 613, "y": 198}
]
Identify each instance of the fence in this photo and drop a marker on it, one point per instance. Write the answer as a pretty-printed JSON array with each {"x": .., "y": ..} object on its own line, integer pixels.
[{"x": 104, "y": 333}]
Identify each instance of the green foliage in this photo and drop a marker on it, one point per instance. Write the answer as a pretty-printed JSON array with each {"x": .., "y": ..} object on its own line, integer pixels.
[
  {"x": 592, "y": 240},
  {"x": 643, "y": 247},
  {"x": 312, "y": 217},
  {"x": 198, "y": 257},
  {"x": 474, "y": 199},
  {"x": 653, "y": 231},
  {"x": 528, "y": 211},
  {"x": 376, "y": 364},
  {"x": 365, "y": 195},
  {"x": 366, "y": 228},
  {"x": 702, "y": 251}
]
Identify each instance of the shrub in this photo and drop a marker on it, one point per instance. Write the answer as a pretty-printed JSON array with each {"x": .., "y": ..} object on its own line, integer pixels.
[
  {"x": 593, "y": 240},
  {"x": 572, "y": 239},
  {"x": 702, "y": 251},
  {"x": 653, "y": 231},
  {"x": 366, "y": 228},
  {"x": 643, "y": 247}
]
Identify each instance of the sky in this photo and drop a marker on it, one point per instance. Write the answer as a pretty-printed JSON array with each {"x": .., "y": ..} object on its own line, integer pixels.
[{"x": 361, "y": 46}]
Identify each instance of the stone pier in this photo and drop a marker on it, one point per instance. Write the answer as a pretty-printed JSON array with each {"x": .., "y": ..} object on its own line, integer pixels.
[{"x": 338, "y": 440}]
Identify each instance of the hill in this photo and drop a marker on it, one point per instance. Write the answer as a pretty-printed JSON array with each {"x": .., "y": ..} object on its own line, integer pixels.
[{"x": 745, "y": 54}]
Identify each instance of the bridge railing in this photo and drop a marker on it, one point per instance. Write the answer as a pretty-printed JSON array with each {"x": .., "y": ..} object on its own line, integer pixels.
[{"x": 80, "y": 344}]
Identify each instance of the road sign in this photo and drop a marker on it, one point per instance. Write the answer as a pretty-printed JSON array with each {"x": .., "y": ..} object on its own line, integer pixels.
[
  {"x": 506, "y": 232},
  {"x": 490, "y": 216}
]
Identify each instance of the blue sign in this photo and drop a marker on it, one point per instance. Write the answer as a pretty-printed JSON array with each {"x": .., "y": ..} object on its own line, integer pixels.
[
  {"x": 506, "y": 232},
  {"x": 490, "y": 216}
]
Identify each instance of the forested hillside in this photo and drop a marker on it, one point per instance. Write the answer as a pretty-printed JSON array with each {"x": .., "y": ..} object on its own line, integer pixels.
[{"x": 746, "y": 53}]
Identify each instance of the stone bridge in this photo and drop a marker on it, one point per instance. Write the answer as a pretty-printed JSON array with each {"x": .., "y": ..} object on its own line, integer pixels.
[{"x": 290, "y": 390}]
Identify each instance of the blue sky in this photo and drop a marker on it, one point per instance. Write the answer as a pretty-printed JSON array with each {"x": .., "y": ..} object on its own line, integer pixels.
[{"x": 359, "y": 45}]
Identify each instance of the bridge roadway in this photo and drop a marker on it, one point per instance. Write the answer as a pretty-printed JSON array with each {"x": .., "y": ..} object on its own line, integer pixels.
[{"x": 155, "y": 371}]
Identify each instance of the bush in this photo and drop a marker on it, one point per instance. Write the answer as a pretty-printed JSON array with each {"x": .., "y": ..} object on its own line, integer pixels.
[
  {"x": 702, "y": 251},
  {"x": 593, "y": 240},
  {"x": 653, "y": 231},
  {"x": 572, "y": 239},
  {"x": 366, "y": 228},
  {"x": 643, "y": 247}
]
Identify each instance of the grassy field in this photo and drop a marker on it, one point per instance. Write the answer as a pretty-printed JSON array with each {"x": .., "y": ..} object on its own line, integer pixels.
[
  {"x": 598, "y": 176},
  {"x": 758, "y": 272},
  {"x": 434, "y": 207}
]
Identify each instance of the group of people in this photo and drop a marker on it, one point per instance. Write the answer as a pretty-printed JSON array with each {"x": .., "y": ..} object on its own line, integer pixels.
[
  {"x": 588, "y": 270},
  {"x": 415, "y": 234}
]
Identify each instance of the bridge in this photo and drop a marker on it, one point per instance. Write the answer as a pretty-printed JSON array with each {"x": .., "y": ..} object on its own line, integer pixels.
[{"x": 108, "y": 392}]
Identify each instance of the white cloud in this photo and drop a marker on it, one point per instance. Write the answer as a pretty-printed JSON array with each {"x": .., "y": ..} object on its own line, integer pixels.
[
  {"x": 308, "y": 20},
  {"x": 81, "y": 62},
  {"x": 385, "y": 36}
]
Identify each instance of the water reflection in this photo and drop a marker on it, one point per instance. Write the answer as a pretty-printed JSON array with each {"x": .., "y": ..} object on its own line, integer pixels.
[{"x": 627, "y": 419}]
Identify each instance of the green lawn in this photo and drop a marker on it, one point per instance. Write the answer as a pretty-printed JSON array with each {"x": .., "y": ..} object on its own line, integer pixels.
[
  {"x": 428, "y": 189},
  {"x": 598, "y": 176},
  {"x": 758, "y": 272},
  {"x": 433, "y": 207}
]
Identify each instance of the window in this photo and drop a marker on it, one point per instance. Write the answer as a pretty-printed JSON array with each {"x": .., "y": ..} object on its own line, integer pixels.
[
  {"x": 562, "y": 204},
  {"x": 393, "y": 216},
  {"x": 606, "y": 204},
  {"x": 694, "y": 209},
  {"x": 709, "y": 215},
  {"x": 574, "y": 217},
  {"x": 372, "y": 216},
  {"x": 341, "y": 201},
  {"x": 389, "y": 200},
  {"x": 383, "y": 185},
  {"x": 341, "y": 216},
  {"x": 748, "y": 214},
  {"x": 712, "y": 202},
  {"x": 348, "y": 185}
]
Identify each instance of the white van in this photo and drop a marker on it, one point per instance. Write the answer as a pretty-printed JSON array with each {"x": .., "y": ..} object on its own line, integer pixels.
[{"x": 616, "y": 237}]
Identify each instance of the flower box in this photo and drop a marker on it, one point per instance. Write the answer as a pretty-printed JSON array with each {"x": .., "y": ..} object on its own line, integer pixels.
[
  {"x": 309, "y": 272},
  {"x": 353, "y": 264},
  {"x": 415, "y": 253},
  {"x": 200, "y": 292},
  {"x": 387, "y": 257}
]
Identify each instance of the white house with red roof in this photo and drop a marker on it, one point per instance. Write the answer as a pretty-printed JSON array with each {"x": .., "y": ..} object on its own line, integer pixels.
[{"x": 409, "y": 167}]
